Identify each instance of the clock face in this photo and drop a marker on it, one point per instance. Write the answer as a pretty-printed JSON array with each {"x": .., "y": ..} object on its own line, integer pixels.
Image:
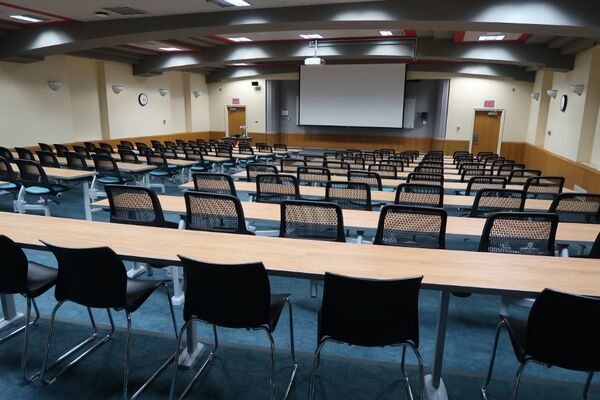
[
  {"x": 563, "y": 102},
  {"x": 143, "y": 99}
]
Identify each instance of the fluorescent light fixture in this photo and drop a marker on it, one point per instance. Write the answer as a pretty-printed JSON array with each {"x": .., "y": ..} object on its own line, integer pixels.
[
  {"x": 492, "y": 36},
  {"x": 239, "y": 39},
  {"x": 311, "y": 36},
  {"x": 239, "y": 64},
  {"x": 170, "y": 49},
  {"x": 238, "y": 3},
  {"x": 386, "y": 33},
  {"x": 27, "y": 18}
]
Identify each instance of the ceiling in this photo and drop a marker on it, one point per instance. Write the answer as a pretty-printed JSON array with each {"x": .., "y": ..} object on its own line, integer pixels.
[{"x": 199, "y": 36}]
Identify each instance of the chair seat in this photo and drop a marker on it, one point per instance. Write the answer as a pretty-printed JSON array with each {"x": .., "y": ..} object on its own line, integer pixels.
[
  {"x": 159, "y": 172},
  {"x": 517, "y": 331},
  {"x": 199, "y": 168},
  {"x": 138, "y": 290},
  {"x": 38, "y": 190},
  {"x": 40, "y": 278},
  {"x": 109, "y": 179},
  {"x": 277, "y": 304},
  {"x": 8, "y": 186}
]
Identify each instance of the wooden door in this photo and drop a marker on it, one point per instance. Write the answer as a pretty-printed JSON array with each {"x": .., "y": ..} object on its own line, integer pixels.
[
  {"x": 486, "y": 131},
  {"x": 236, "y": 118}
]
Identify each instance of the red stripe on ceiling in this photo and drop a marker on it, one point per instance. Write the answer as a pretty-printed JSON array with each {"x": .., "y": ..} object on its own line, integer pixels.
[
  {"x": 524, "y": 37},
  {"x": 459, "y": 37},
  {"x": 410, "y": 33},
  {"x": 39, "y": 12},
  {"x": 220, "y": 39}
]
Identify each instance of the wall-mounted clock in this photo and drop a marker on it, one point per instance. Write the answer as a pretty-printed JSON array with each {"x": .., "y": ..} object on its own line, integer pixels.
[
  {"x": 563, "y": 102},
  {"x": 143, "y": 99}
]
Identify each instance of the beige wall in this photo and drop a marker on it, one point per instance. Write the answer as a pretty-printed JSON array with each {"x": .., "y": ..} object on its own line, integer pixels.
[{"x": 538, "y": 110}]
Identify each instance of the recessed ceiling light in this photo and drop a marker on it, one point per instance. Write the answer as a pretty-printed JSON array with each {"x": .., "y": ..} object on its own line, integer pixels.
[
  {"x": 386, "y": 33},
  {"x": 492, "y": 36},
  {"x": 170, "y": 49},
  {"x": 239, "y": 64},
  {"x": 230, "y": 3},
  {"x": 239, "y": 39},
  {"x": 27, "y": 18},
  {"x": 311, "y": 36}
]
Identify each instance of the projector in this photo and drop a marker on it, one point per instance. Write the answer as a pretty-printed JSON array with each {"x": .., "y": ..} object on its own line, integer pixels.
[{"x": 314, "y": 61}]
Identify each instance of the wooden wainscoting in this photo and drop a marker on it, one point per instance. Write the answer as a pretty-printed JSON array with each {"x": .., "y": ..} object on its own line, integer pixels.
[
  {"x": 449, "y": 146},
  {"x": 362, "y": 142},
  {"x": 147, "y": 139},
  {"x": 535, "y": 157}
]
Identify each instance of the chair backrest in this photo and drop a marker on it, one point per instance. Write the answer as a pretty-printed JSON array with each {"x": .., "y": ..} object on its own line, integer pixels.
[
  {"x": 577, "y": 207},
  {"x": 370, "y": 178},
  {"x": 209, "y": 182},
  {"x": 422, "y": 177},
  {"x": 6, "y": 154},
  {"x": 32, "y": 174},
  {"x": 244, "y": 148},
  {"x": 562, "y": 330},
  {"x": 107, "y": 147},
  {"x": 411, "y": 226},
  {"x": 128, "y": 156},
  {"x": 280, "y": 147},
  {"x": 47, "y": 159},
  {"x": 232, "y": 296},
  {"x": 469, "y": 165},
  {"x": 169, "y": 152},
  {"x": 135, "y": 205},
  {"x": 313, "y": 175},
  {"x": 156, "y": 158},
  {"x": 275, "y": 188},
  {"x": 333, "y": 155},
  {"x": 75, "y": 161},
  {"x": 170, "y": 143},
  {"x": 93, "y": 277},
  {"x": 388, "y": 171},
  {"x": 314, "y": 159},
  {"x": 505, "y": 169},
  {"x": 386, "y": 312},
  {"x": 254, "y": 169},
  {"x": 312, "y": 220},
  {"x": 24, "y": 154},
  {"x": 127, "y": 143},
  {"x": 61, "y": 150},
  {"x": 214, "y": 213},
  {"x": 7, "y": 174},
  {"x": 545, "y": 185},
  {"x": 46, "y": 147},
  {"x": 290, "y": 165},
  {"x": 397, "y": 162},
  {"x": 490, "y": 201},
  {"x": 193, "y": 155},
  {"x": 223, "y": 151},
  {"x": 419, "y": 194},
  {"x": 13, "y": 268},
  {"x": 429, "y": 169},
  {"x": 105, "y": 165},
  {"x": 90, "y": 147},
  {"x": 355, "y": 162},
  {"x": 141, "y": 146},
  {"x": 520, "y": 233},
  {"x": 477, "y": 183},
  {"x": 100, "y": 150},
  {"x": 82, "y": 151},
  {"x": 340, "y": 165},
  {"x": 263, "y": 147},
  {"x": 349, "y": 195},
  {"x": 467, "y": 174},
  {"x": 460, "y": 152}
]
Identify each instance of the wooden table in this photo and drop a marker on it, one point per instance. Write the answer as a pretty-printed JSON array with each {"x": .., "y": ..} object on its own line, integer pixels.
[{"x": 443, "y": 270}]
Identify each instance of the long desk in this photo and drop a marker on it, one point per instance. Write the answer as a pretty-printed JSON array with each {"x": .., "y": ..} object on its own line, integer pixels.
[
  {"x": 568, "y": 232},
  {"x": 442, "y": 270}
]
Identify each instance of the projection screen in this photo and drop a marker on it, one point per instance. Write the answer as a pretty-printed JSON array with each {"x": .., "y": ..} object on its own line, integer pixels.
[{"x": 352, "y": 95}]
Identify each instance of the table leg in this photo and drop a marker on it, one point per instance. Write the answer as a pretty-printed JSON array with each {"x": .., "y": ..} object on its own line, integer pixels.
[
  {"x": 87, "y": 200},
  {"x": 9, "y": 310},
  {"x": 434, "y": 385}
]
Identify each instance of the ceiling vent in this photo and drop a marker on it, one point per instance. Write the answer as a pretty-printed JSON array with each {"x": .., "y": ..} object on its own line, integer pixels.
[{"x": 125, "y": 10}]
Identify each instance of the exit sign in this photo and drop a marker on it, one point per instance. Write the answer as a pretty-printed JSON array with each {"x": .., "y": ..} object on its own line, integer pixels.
[
  {"x": 235, "y": 101},
  {"x": 489, "y": 103}
]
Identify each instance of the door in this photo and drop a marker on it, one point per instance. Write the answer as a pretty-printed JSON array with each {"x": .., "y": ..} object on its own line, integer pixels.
[
  {"x": 486, "y": 131},
  {"x": 236, "y": 119}
]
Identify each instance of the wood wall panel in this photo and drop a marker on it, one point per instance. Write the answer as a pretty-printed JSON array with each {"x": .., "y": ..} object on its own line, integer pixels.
[
  {"x": 147, "y": 139},
  {"x": 363, "y": 142},
  {"x": 450, "y": 146}
]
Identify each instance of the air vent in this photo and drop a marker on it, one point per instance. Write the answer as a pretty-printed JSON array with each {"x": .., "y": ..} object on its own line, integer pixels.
[{"x": 125, "y": 10}]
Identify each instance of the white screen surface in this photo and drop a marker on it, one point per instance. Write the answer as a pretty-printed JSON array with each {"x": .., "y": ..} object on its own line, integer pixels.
[{"x": 352, "y": 95}]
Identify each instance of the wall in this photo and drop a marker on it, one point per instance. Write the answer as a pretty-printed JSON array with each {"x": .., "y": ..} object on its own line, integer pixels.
[{"x": 538, "y": 109}]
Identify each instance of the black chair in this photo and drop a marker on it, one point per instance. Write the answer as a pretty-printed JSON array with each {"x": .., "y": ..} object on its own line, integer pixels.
[
  {"x": 254, "y": 169},
  {"x": 544, "y": 186},
  {"x": 418, "y": 194},
  {"x": 28, "y": 278},
  {"x": 280, "y": 147},
  {"x": 275, "y": 188},
  {"x": 476, "y": 183},
  {"x": 520, "y": 233},
  {"x": 9, "y": 181},
  {"x": 425, "y": 178},
  {"x": 76, "y": 161},
  {"x": 136, "y": 205},
  {"x": 6, "y": 154},
  {"x": 467, "y": 174},
  {"x": 35, "y": 182},
  {"x": 214, "y": 213},
  {"x": 301, "y": 219},
  {"x": 561, "y": 330},
  {"x": 491, "y": 201},
  {"x": 90, "y": 147},
  {"x": 411, "y": 226},
  {"x": 520, "y": 176},
  {"x": 337, "y": 165},
  {"x": 24, "y": 154},
  {"x": 313, "y": 175},
  {"x": 163, "y": 170},
  {"x": 107, "y": 147},
  {"x": 127, "y": 144},
  {"x": 96, "y": 278},
  {"x": 371, "y": 313},
  {"x": 197, "y": 156},
  {"x": 396, "y": 162},
  {"x": 355, "y": 162},
  {"x": 129, "y": 156},
  {"x": 577, "y": 207},
  {"x": 349, "y": 195},
  {"x": 370, "y": 178},
  {"x": 82, "y": 151},
  {"x": 209, "y": 182},
  {"x": 290, "y": 165},
  {"x": 429, "y": 169},
  {"x": 387, "y": 171},
  {"x": 108, "y": 172},
  {"x": 505, "y": 169},
  {"x": 232, "y": 296},
  {"x": 46, "y": 147},
  {"x": 47, "y": 159},
  {"x": 101, "y": 151},
  {"x": 61, "y": 150}
]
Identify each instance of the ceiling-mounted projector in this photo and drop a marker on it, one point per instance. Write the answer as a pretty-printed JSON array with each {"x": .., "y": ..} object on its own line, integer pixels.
[{"x": 314, "y": 61}]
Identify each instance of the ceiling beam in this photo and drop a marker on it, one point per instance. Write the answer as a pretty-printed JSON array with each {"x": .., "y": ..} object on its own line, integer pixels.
[{"x": 575, "y": 18}]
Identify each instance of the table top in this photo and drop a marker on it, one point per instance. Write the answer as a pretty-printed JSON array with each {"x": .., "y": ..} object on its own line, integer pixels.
[
  {"x": 369, "y": 219},
  {"x": 441, "y": 269}
]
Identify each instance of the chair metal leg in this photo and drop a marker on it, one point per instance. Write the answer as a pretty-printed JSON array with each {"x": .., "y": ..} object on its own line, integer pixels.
[
  {"x": 421, "y": 370},
  {"x": 588, "y": 383},
  {"x": 28, "y": 323},
  {"x": 272, "y": 378},
  {"x": 127, "y": 354},
  {"x": 292, "y": 351},
  {"x": 405, "y": 376},
  {"x": 518, "y": 379},
  {"x": 313, "y": 373},
  {"x": 21, "y": 328},
  {"x": 491, "y": 368}
]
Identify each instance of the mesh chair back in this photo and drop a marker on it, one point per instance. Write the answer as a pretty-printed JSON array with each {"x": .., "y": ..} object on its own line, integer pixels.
[
  {"x": 75, "y": 161},
  {"x": 548, "y": 185},
  {"x": 291, "y": 165},
  {"x": 32, "y": 174},
  {"x": 477, "y": 183},
  {"x": 24, "y": 154},
  {"x": 170, "y": 144},
  {"x": 314, "y": 160},
  {"x": 349, "y": 195},
  {"x": 129, "y": 156},
  {"x": 82, "y": 151},
  {"x": 134, "y": 205},
  {"x": 562, "y": 331},
  {"x": 520, "y": 233},
  {"x": 214, "y": 213},
  {"x": 484, "y": 154},
  {"x": 106, "y": 165},
  {"x": 411, "y": 226},
  {"x": 14, "y": 267},
  {"x": 6, "y": 154},
  {"x": 156, "y": 158},
  {"x": 470, "y": 165},
  {"x": 468, "y": 174},
  {"x": 61, "y": 150},
  {"x": 127, "y": 144},
  {"x": 370, "y": 178},
  {"x": 209, "y": 182},
  {"x": 418, "y": 194},
  {"x": 232, "y": 296},
  {"x": 141, "y": 147},
  {"x": 102, "y": 151},
  {"x": 90, "y": 147},
  {"x": 428, "y": 179},
  {"x": 460, "y": 153},
  {"x": 313, "y": 175},
  {"x": 312, "y": 220},
  {"x": 505, "y": 169},
  {"x": 169, "y": 153},
  {"x": 336, "y": 155},
  {"x": 274, "y": 188},
  {"x": 93, "y": 277},
  {"x": 223, "y": 151},
  {"x": 429, "y": 170},
  {"x": 577, "y": 207},
  {"x": 490, "y": 201},
  {"x": 397, "y": 162},
  {"x": 499, "y": 163},
  {"x": 384, "y": 170},
  {"x": 355, "y": 162},
  {"x": 47, "y": 159},
  {"x": 107, "y": 147},
  {"x": 7, "y": 174},
  {"x": 339, "y": 165},
  {"x": 245, "y": 149},
  {"x": 280, "y": 147},
  {"x": 254, "y": 169},
  {"x": 385, "y": 313},
  {"x": 264, "y": 148},
  {"x": 46, "y": 147}
]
